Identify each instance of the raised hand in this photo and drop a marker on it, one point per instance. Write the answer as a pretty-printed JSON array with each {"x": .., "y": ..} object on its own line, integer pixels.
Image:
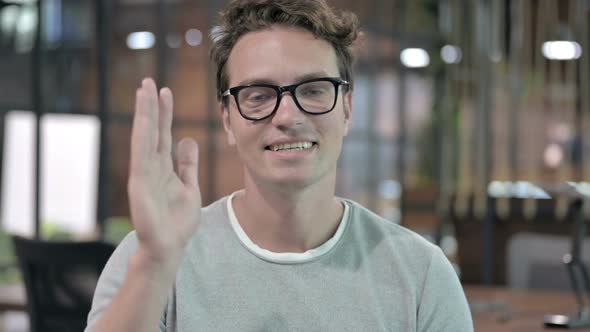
[{"x": 165, "y": 205}]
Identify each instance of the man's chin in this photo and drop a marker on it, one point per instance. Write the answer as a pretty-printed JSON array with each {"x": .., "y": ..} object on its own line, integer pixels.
[
  {"x": 295, "y": 181},
  {"x": 288, "y": 180}
]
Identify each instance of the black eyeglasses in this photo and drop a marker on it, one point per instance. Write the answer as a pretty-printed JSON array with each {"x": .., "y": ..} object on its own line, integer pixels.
[{"x": 260, "y": 101}]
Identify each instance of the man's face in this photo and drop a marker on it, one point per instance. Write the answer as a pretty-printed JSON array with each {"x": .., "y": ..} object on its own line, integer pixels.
[{"x": 283, "y": 56}]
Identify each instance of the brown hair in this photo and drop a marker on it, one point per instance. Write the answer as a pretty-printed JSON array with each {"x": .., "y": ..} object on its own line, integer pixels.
[{"x": 339, "y": 28}]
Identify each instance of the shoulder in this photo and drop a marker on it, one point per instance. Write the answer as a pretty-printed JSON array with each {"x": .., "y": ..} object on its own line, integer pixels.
[
  {"x": 441, "y": 302},
  {"x": 399, "y": 251},
  {"x": 214, "y": 212},
  {"x": 375, "y": 228}
]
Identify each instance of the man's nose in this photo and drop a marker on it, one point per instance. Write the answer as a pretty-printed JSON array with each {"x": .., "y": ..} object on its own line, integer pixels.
[{"x": 288, "y": 114}]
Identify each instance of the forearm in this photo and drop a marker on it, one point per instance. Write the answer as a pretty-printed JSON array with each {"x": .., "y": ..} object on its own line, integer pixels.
[
  {"x": 139, "y": 303},
  {"x": 165, "y": 207}
]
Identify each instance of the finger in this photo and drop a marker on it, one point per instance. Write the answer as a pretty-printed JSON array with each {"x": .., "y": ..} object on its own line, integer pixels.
[
  {"x": 144, "y": 134},
  {"x": 165, "y": 122},
  {"x": 187, "y": 161}
]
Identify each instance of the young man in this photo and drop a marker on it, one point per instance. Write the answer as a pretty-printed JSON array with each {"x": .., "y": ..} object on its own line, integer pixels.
[{"x": 283, "y": 254}]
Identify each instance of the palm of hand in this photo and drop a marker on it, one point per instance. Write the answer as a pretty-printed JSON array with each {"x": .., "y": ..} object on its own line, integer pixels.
[{"x": 165, "y": 205}]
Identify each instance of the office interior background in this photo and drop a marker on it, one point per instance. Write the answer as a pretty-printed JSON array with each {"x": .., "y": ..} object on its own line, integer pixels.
[{"x": 465, "y": 113}]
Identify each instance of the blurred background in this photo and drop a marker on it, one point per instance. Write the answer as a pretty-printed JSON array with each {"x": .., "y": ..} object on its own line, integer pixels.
[{"x": 465, "y": 112}]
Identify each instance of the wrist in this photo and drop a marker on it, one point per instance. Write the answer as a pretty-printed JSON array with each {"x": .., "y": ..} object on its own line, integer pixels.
[{"x": 156, "y": 268}]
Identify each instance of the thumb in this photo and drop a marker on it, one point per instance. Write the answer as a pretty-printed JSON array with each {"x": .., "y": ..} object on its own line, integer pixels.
[{"x": 187, "y": 162}]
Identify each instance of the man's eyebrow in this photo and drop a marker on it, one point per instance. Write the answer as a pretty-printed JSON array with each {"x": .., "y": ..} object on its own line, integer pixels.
[
  {"x": 305, "y": 77},
  {"x": 257, "y": 81},
  {"x": 311, "y": 76}
]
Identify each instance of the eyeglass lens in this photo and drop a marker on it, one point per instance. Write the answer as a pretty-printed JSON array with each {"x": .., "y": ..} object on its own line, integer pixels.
[{"x": 313, "y": 97}]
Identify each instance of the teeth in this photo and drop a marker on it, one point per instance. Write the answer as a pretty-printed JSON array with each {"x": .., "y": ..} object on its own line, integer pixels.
[{"x": 291, "y": 146}]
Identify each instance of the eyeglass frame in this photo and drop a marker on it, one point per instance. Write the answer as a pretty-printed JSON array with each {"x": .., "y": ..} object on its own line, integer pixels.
[{"x": 280, "y": 89}]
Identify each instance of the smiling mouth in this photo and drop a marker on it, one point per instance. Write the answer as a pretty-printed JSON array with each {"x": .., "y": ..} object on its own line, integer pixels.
[{"x": 290, "y": 146}]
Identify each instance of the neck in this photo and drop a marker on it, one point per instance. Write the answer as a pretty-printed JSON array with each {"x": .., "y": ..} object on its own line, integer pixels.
[{"x": 283, "y": 219}]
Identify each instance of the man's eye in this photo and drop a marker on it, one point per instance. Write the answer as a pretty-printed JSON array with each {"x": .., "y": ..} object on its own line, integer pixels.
[
  {"x": 313, "y": 92},
  {"x": 259, "y": 97}
]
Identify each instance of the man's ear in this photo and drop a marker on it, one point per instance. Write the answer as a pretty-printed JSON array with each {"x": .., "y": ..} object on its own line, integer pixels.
[
  {"x": 347, "y": 101},
  {"x": 224, "y": 109}
]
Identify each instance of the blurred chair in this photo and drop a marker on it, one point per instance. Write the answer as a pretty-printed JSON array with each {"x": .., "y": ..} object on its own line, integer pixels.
[
  {"x": 60, "y": 278},
  {"x": 469, "y": 230},
  {"x": 536, "y": 261}
]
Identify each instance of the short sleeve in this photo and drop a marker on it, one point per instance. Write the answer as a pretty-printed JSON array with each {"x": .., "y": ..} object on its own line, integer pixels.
[
  {"x": 443, "y": 306},
  {"x": 111, "y": 278}
]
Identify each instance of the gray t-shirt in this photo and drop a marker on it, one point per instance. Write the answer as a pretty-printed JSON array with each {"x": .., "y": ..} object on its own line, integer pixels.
[{"x": 372, "y": 275}]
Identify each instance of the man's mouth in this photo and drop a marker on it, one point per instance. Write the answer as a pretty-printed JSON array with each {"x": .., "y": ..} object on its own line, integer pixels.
[{"x": 291, "y": 146}]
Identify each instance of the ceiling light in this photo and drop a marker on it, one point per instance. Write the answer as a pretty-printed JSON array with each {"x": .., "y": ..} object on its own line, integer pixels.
[
  {"x": 561, "y": 50},
  {"x": 193, "y": 37},
  {"x": 414, "y": 58},
  {"x": 451, "y": 54},
  {"x": 141, "y": 40}
]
